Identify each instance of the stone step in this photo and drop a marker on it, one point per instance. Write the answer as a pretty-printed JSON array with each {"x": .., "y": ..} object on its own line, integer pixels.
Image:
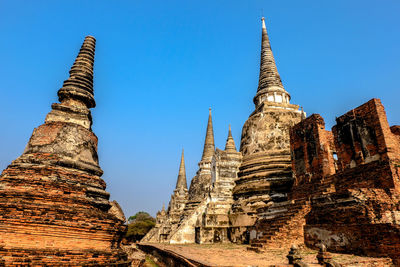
[{"x": 277, "y": 227}]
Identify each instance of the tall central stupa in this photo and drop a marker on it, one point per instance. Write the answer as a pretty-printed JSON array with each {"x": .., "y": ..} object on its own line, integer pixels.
[
  {"x": 265, "y": 175},
  {"x": 229, "y": 192}
]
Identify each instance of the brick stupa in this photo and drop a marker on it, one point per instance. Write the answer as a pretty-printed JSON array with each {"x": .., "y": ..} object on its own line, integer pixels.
[{"x": 54, "y": 209}]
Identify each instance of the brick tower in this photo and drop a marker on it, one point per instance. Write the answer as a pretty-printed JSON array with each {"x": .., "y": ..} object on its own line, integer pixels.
[{"x": 53, "y": 205}]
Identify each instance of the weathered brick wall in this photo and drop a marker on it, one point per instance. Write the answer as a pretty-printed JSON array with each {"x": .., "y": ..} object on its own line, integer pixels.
[
  {"x": 363, "y": 135},
  {"x": 312, "y": 156},
  {"x": 50, "y": 257},
  {"x": 357, "y": 208},
  {"x": 44, "y": 201},
  {"x": 360, "y": 221},
  {"x": 53, "y": 208}
]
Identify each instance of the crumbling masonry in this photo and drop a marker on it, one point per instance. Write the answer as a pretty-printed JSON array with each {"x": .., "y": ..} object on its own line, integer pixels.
[
  {"x": 361, "y": 212},
  {"x": 53, "y": 205},
  {"x": 293, "y": 182},
  {"x": 202, "y": 212},
  {"x": 231, "y": 189}
]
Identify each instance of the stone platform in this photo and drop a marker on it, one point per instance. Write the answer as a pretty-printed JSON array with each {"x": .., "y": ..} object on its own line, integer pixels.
[{"x": 238, "y": 255}]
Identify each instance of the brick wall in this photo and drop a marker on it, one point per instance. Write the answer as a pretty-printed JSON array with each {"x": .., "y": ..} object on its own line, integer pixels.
[
  {"x": 312, "y": 156},
  {"x": 355, "y": 200}
]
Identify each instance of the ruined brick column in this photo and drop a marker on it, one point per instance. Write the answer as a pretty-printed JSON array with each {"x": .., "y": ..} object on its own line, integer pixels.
[
  {"x": 53, "y": 205},
  {"x": 265, "y": 174}
]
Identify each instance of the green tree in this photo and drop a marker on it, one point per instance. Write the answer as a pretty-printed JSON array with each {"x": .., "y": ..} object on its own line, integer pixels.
[
  {"x": 139, "y": 225},
  {"x": 140, "y": 216}
]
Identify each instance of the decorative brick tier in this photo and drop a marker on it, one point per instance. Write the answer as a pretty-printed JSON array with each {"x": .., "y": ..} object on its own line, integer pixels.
[
  {"x": 52, "y": 257},
  {"x": 41, "y": 202}
]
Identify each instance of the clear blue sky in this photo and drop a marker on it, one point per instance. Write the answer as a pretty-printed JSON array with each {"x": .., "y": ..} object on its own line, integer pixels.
[{"x": 161, "y": 64}]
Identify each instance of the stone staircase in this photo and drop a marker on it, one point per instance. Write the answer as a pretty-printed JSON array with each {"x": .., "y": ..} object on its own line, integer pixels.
[
  {"x": 280, "y": 225},
  {"x": 190, "y": 207},
  {"x": 185, "y": 233}
]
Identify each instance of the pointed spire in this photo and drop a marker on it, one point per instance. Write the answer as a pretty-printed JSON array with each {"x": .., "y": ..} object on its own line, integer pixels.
[
  {"x": 269, "y": 78},
  {"x": 269, "y": 75},
  {"x": 181, "y": 182},
  {"x": 303, "y": 114},
  {"x": 230, "y": 143},
  {"x": 209, "y": 147},
  {"x": 79, "y": 85}
]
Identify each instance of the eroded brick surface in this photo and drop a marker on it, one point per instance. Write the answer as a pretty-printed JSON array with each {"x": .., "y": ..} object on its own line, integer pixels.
[
  {"x": 54, "y": 209},
  {"x": 293, "y": 181},
  {"x": 354, "y": 200}
]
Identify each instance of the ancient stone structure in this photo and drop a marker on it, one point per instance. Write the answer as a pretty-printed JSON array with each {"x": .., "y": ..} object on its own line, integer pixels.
[
  {"x": 225, "y": 201},
  {"x": 215, "y": 222},
  {"x": 53, "y": 205},
  {"x": 180, "y": 197},
  {"x": 346, "y": 186},
  {"x": 168, "y": 221},
  {"x": 355, "y": 200},
  {"x": 294, "y": 182},
  {"x": 201, "y": 214},
  {"x": 348, "y": 183},
  {"x": 265, "y": 175},
  {"x": 201, "y": 183}
]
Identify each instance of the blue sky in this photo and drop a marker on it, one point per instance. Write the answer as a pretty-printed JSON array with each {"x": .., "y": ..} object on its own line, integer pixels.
[{"x": 161, "y": 64}]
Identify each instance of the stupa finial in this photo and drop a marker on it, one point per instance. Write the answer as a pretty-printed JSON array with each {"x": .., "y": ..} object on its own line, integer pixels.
[
  {"x": 269, "y": 83},
  {"x": 230, "y": 143},
  {"x": 209, "y": 146},
  {"x": 181, "y": 182},
  {"x": 79, "y": 85}
]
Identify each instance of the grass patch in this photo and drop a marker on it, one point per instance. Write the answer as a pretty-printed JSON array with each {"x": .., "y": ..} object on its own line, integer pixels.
[{"x": 150, "y": 262}]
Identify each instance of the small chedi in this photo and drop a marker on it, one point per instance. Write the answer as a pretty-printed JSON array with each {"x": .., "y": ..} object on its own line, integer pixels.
[
  {"x": 53, "y": 205},
  {"x": 200, "y": 214},
  {"x": 293, "y": 182}
]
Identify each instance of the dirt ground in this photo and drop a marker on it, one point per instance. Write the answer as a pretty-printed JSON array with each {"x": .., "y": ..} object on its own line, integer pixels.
[{"x": 238, "y": 255}]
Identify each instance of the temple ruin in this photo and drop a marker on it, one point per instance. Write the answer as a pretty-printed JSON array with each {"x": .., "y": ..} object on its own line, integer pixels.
[
  {"x": 265, "y": 176},
  {"x": 232, "y": 189},
  {"x": 293, "y": 182},
  {"x": 200, "y": 214},
  {"x": 53, "y": 205}
]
